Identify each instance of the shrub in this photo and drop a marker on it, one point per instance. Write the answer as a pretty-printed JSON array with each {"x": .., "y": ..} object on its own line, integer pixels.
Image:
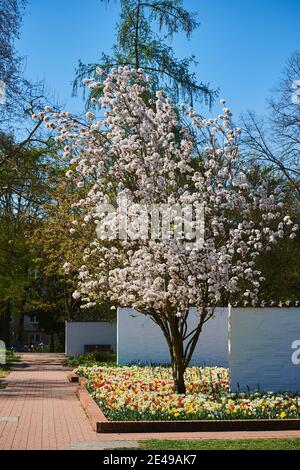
[{"x": 90, "y": 359}]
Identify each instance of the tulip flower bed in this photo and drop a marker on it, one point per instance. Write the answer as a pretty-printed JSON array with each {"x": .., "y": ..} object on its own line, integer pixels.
[{"x": 147, "y": 393}]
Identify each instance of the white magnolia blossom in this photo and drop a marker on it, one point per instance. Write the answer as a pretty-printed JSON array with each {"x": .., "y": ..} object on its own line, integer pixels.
[
  {"x": 67, "y": 267},
  {"x": 144, "y": 151},
  {"x": 90, "y": 115}
]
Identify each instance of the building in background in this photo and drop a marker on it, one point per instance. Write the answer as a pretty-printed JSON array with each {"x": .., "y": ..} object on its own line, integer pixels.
[{"x": 32, "y": 333}]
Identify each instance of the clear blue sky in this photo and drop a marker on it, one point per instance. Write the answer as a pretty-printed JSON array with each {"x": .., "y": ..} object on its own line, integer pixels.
[{"x": 241, "y": 45}]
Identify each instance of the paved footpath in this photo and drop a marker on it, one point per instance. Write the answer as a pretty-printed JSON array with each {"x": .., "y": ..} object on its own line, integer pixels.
[{"x": 39, "y": 409}]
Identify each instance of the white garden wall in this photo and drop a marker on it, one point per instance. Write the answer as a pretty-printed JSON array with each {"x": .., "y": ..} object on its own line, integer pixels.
[
  {"x": 264, "y": 348},
  {"x": 140, "y": 339},
  {"x": 79, "y": 334}
]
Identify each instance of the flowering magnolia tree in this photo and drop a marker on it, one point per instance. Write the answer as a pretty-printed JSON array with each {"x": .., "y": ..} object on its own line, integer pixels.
[{"x": 145, "y": 150}]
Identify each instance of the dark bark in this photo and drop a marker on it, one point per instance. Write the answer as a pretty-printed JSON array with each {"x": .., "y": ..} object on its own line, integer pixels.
[
  {"x": 178, "y": 374},
  {"x": 21, "y": 329},
  {"x": 52, "y": 342},
  {"x": 180, "y": 343},
  {"x": 136, "y": 39},
  {"x": 5, "y": 326},
  {"x": 178, "y": 365}
]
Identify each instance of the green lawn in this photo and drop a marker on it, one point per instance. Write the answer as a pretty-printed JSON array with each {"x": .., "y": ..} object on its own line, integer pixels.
[{"x": 216, "y": 444}]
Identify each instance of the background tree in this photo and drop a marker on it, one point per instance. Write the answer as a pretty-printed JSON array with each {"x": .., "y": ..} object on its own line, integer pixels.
[
  {"x": 280, "y": 267},
  {"x": 272, "y": 146},
  {"x": 26, "y": 166},
  {"x": 144, "y": 33},
  {"x": 57, "y": 238},
  {"x": 276, "y": 141},
  {"x": 24, "y": 187},
  {"x": 10, "y": 63},
  {"x": 22, "y": 97}
]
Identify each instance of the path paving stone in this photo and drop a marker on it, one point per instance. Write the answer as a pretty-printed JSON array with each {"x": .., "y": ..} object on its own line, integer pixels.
[
  {"x": 40, "y": 410},
  {"x": 9, "y": 419},
  {"x": 101, "y": 445}
]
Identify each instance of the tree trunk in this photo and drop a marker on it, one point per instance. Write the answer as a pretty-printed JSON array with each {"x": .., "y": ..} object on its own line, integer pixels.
[
  {"x": 21, "y": 329},
  {"x": 52, "y": 342},
  {"x": 178, "y": 365},
  {"x": 136, "y": 39},
  {"x": 5, "y": 326},
  {"x": 178, "y": 375}
]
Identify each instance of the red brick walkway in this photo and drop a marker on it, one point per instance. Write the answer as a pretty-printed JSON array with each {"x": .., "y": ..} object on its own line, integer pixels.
[{"x": 39, "y": 410}]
